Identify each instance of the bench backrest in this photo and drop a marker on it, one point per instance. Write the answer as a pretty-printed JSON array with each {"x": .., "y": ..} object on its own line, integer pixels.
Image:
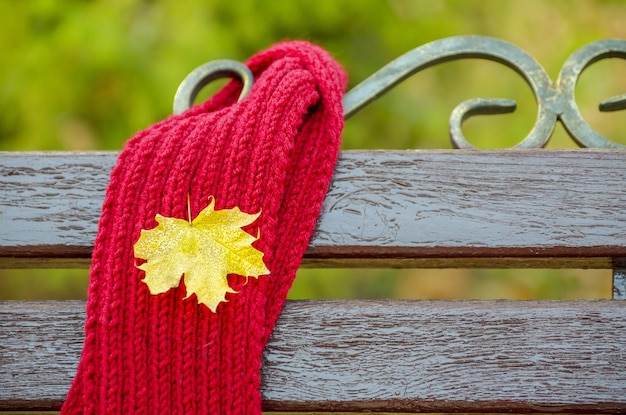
[
  {"x": 457, "y": 208},
  {"x": 528, "y": 208}
]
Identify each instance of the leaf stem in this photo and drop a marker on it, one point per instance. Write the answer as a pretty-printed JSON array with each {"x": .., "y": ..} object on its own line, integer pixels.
[{"x": 189, "y": 208}]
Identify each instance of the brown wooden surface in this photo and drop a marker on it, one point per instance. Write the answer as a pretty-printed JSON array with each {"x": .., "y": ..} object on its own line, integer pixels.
[
  {"x": 435, "y": 356},
  {"x": 522, "y": 208}
]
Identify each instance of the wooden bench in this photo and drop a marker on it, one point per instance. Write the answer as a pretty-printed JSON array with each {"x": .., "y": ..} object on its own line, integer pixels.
[{"x": 528, "y": 208}]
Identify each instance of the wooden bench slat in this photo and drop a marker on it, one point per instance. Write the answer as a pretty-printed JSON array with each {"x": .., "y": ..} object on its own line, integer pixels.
[
  {"x": 522, "y": 208},
  {"x": 434, "y": 356}
]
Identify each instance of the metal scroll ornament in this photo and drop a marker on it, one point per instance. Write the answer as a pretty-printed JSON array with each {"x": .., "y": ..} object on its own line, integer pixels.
[{"x": 555, "y": 102}]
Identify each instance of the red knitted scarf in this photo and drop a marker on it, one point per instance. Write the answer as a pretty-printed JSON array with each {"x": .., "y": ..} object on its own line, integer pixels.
[{"x": 273, "y": 152}]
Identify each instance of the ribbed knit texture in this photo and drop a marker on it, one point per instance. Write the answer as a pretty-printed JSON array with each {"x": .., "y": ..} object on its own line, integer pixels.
[{"x": 272, "y": 152}]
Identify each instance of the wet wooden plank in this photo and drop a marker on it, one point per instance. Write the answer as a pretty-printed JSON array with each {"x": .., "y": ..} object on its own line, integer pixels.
[
  {"x": 433, "y": 356},
  {"x": 526, "y": 208}
]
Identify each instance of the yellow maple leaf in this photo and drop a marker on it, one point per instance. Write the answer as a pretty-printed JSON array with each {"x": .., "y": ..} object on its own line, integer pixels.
[{"x": 204, "y": 250}]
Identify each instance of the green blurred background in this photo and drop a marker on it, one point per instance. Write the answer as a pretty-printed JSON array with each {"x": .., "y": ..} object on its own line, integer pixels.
[{"x": 84, "y": 75}]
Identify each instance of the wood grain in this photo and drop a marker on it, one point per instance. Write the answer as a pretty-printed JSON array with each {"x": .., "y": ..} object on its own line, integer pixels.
[
  {"x": 453, "y": 208},
  {"x": 433, "y": 356}
]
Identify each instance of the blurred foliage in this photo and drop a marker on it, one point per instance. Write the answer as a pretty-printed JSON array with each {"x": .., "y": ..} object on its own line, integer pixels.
[{"x": 79, "y": 75}]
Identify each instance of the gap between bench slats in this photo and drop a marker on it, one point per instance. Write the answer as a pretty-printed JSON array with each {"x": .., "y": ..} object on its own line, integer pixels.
[
  {"x": 433, "y": 356},
  {"x": 453, "y": 208}
]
